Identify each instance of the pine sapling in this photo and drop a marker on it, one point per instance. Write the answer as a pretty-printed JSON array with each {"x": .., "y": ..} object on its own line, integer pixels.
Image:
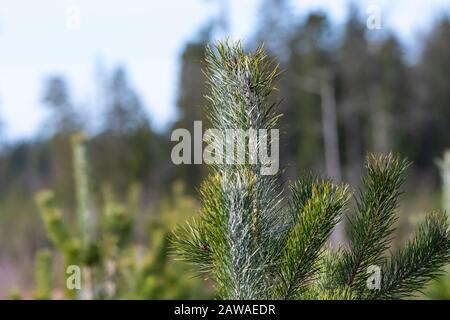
[
  {"x": 256, "y": 244},
  {"x": 111, "y": 264}
]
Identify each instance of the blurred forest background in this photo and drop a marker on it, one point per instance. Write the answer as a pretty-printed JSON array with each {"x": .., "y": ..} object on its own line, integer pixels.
[{"x": 346, "y": 91}]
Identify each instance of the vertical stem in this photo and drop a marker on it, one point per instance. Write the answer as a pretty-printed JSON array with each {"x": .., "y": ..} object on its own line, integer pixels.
[
  {"x": 331, "y": 147},
  {"x": 84, "y": 214},
  {"x": 86, "y": 220},
  {"x": 330, "y": 132},
  {"x": 324, "y": 88},
  {"x": 43, "y": 275},
  {"x": 380, "y": 120},
  {"x": 444, "y": 166}
]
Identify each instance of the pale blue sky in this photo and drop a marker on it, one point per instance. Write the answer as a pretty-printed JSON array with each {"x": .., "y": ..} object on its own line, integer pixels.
[{"x": 144, "y": 35}]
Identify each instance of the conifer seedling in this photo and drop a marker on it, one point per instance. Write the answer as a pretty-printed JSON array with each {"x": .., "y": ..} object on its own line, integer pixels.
[{"x": 254, "y": 243}]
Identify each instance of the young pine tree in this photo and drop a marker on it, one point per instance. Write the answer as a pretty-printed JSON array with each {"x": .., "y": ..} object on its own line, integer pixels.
[
  {"x": 254, "y": 244},
  {"x": 112, "y": 265}
]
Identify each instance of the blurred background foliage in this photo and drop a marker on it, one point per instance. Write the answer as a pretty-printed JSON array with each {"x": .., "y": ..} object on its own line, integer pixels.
[
  {"x": 116, "y": 260},
  {"x": 363, "y": 88}
]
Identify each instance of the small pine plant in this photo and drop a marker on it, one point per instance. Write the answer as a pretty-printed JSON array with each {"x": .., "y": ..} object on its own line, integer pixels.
[
  {"x": 80, "y": 245},
  {"x": 112, "y": 265},
  {"x": 255, "y": 244},
  {"x": 160, "y": 277}
]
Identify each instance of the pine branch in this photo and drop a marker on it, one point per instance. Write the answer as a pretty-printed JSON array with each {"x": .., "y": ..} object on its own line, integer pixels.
[
  {"x": 53, "y": 221},
  {"x": 411, "y": 268},
  {"x": 57, "y": 231},
  {"x": 190, "y": 244},
  {"x": 239, "y": 85},
  {"x": 371, "y": 227},
  {"x": 318, "y": 215}
]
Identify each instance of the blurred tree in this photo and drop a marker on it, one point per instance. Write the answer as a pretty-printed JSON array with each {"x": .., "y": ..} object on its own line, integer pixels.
[
  {"x": 24, "y": 167},
  {"x": 430, "y": 118},
  {"x": 274, "y": 25},
  {"x": 127, "y": 150},
  {"x": 309, "y": 59},
  {"x": 353, "y": 68},
  {"x": 64, "y": 120},
  {"x": 373, "y": 94},
  {"x": 388, "y": 95},
  {"x": 306, "y": 51},
  {"x": 124, "y": 111},
  {"x": 191, "y": 90}
]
